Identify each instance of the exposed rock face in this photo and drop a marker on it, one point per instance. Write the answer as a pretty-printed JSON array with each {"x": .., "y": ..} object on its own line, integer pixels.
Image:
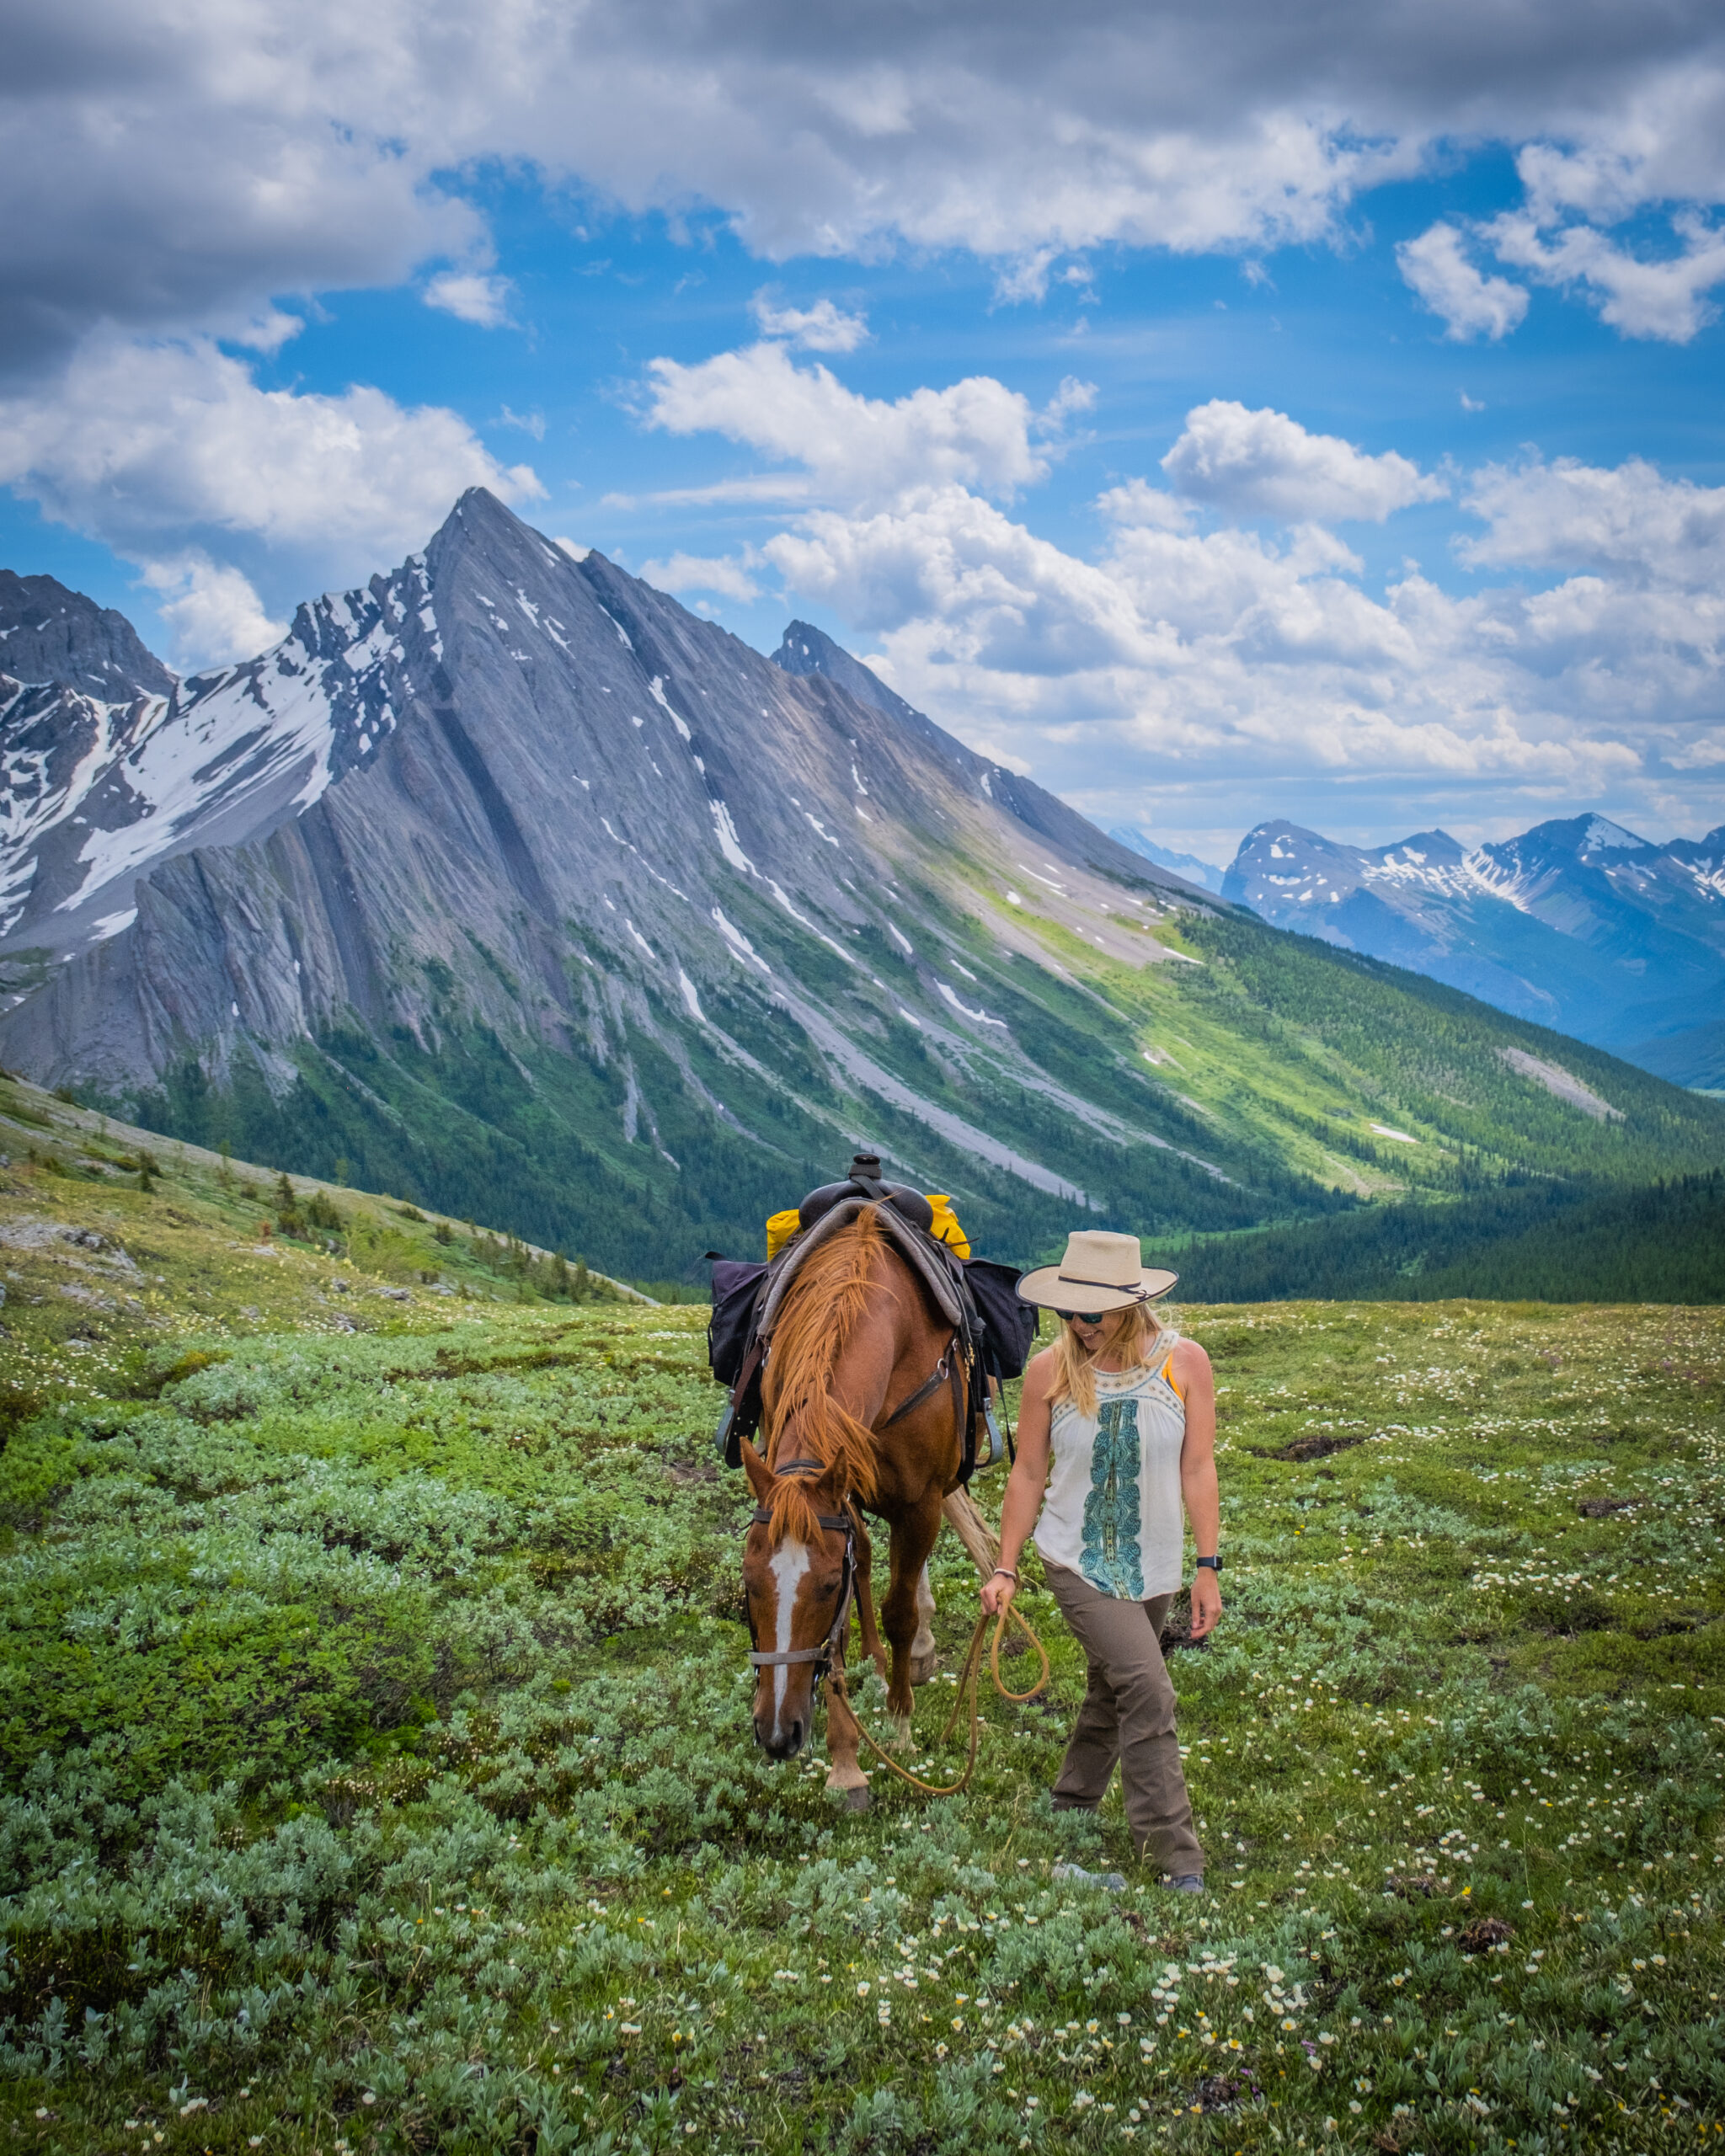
[
  {"x": 97, "y": 794},
  {"x": 804, "y": 650},
  {"x": 503, "y": 787},
  {"x": 1577, "y": 924},
  {"x": 48, "y": 633}
]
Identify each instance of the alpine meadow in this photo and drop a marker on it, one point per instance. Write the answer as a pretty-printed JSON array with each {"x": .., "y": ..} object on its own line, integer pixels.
[
  {"x": 862, "y": 1078},
  {"x": 378, "y": 1774}
]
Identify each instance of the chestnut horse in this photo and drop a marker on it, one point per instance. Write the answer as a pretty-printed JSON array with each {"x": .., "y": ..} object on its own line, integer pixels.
[{"x": 856, "y": 1339}]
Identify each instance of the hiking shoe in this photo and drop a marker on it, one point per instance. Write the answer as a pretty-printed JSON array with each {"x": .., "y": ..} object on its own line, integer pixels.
[
  {"x": 1190, "y": 1882},
  {"x": 1112, "y": 1883}
]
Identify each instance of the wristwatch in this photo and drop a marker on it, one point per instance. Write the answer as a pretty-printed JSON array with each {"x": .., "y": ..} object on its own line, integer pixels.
[{"x": 1209, "y": 1564}]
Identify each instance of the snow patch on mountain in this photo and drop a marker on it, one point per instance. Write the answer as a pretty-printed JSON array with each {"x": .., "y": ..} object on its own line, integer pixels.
[{"x": 91, "y": 794}]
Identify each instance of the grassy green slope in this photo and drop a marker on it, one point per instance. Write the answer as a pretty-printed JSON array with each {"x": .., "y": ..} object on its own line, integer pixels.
[
  {"x": 200, "y": 1240},
  {"x": 376, "y": 1714}
]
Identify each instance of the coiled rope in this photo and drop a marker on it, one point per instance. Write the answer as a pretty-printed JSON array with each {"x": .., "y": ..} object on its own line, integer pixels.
[{"x": 969, "y": 1686}]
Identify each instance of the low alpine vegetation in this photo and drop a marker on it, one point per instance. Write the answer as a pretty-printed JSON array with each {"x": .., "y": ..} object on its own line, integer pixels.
[{"x": 376, "y": 1773}]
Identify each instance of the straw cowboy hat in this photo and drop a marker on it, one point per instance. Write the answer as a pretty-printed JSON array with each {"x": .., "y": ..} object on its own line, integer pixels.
[{"x": 1100, "y": 1272}]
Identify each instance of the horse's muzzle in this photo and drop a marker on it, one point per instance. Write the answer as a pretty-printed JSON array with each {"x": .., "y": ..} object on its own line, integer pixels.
[{"x": 787, "y": 1743}]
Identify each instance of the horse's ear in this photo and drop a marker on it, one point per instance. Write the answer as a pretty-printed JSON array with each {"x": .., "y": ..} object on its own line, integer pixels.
[{"x": 759, "y": 1473}]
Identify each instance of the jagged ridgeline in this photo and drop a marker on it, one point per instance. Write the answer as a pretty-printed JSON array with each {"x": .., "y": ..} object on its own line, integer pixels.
[{"x": 507, "y": 885}]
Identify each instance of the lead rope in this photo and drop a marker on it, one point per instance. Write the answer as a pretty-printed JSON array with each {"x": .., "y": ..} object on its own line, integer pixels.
[{"x": 969, "y": 1684}]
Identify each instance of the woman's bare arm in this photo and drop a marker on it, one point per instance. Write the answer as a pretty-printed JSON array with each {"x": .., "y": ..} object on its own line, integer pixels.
[
  {"x": 1027, "y": 1481},
  {"x": 1198, "y": 1477}
]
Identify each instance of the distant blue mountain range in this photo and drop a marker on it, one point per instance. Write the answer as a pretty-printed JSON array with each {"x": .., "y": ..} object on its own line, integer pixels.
[
  {"x": 1579, "y": 924},
  {"x": 1204, "y": 874}
]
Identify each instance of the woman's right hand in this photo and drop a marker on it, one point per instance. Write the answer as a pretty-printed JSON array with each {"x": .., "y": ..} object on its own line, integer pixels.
[{"x": 997, "y": 1593}]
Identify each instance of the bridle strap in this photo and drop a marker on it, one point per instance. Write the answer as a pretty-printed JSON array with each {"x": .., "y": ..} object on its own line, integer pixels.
[
  {"x": 838, "y": 1524},
  {"x": 843, "y": 1524}
]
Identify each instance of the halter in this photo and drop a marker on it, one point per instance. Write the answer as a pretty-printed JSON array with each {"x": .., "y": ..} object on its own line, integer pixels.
[{"x": 843, "y": 1524}]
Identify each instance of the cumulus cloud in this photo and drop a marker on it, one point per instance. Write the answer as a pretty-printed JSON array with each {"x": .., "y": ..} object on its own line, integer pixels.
[
  {"x": 1471, "y": 305},
  {"x": 175, "y": 164},
  {"x": 213, "y": 614},
  {"x": 1180, "y": 662},
  {"x": 822, "y": 328},
  {"x": 856, "y": 449},
  {"x": 703, "y": 573},
  {"x": 1262, "y": 463},
  {"x": 471, "y": 296},
  {"x": 1664, "y": 296},
  {"x": 156, "y": 448},
  {"x": 1631, "y": 523}
]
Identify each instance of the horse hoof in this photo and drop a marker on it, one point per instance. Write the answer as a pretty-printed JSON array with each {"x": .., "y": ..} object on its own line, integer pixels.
[
  {"x": 858, "y": 1799},
  {"x": 923, "y": 1666},
  {"x": 901, "y": 1740}
]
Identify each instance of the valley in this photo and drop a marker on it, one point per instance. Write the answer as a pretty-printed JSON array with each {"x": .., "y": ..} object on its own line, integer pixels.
[{"x": 508, "y": 884}]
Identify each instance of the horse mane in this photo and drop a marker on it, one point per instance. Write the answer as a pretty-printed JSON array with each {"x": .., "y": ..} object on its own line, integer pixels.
[{"x": 819, "y": 1313}]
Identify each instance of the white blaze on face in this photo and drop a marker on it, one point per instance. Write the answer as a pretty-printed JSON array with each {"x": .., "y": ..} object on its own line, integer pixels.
[{"x": 789, "y": 1567}]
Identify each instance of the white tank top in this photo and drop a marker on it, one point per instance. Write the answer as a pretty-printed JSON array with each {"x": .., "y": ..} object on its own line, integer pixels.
[{"x": 1113, "y": 1512}]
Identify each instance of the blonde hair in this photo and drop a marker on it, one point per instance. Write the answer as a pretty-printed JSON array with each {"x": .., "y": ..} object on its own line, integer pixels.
[{"x": 1149, "y": 1333}]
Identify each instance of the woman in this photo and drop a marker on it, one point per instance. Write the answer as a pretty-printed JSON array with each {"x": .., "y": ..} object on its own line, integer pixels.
[{"x": 1118, "y": 1428}]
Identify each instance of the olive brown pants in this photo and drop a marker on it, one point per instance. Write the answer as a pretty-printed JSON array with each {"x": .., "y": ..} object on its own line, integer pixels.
[{"x": 1128, "y": 1715}]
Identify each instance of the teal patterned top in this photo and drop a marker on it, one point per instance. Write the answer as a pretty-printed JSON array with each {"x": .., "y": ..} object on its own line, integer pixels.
[{"x": 1114, "y": 1511}]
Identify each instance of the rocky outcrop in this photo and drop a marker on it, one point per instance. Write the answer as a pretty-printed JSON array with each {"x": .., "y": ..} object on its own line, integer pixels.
[{"x": 48, "y": 633}]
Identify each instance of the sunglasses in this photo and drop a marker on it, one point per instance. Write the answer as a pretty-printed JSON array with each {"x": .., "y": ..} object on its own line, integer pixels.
[{"x": 1080, "y": 1317}]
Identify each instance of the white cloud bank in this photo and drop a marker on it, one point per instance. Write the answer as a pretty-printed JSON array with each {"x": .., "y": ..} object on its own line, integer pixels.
[
  {"x": 822, "y": 328},
  {"x": 172, "y": 165},
  {"x": 471, "y": 296},
  {"x": 1264, "y": 464},
  {"x": 169, "y": 449},
  {"x": 858, "y": 449},
  {"x": 1222, "y": 662},
  {"x": 1436, "y": 267}
]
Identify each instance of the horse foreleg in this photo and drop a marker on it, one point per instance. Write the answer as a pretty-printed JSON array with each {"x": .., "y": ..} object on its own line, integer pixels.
[
  {"x": 924, "y": 1655},
  {"x": 904, "y": 1612},
  {"x": 865, "y": 1600},
  {"x": 842, "y": 1772}
]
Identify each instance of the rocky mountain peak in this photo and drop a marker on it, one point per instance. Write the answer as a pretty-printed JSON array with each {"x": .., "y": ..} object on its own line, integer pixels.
[
  {"x": 51, "y": 634},
  {"x": 1578, "y": 922}
]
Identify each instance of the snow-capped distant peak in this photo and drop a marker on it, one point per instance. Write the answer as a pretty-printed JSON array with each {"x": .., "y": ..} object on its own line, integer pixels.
[{"x": 1602, "y": 836}]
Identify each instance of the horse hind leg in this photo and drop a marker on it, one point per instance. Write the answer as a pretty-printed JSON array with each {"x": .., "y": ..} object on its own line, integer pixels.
[{"x": 925, "y": 1657}]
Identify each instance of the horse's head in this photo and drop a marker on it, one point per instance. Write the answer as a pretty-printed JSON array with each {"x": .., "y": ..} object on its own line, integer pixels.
[{"x": 796, "y": 1574}]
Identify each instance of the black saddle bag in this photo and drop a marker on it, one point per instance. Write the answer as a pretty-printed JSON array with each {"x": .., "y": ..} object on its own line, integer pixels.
[
  {"x": 736, "y": 1283},
  {"x": 1008, "y": 1325}
]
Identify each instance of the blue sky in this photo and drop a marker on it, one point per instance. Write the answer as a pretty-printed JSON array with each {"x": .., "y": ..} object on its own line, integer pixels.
[{"x": 1332, "y": 448}]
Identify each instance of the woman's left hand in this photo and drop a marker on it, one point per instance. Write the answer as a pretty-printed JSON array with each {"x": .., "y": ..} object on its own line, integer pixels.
[{"x": 1206, "y": 1603}]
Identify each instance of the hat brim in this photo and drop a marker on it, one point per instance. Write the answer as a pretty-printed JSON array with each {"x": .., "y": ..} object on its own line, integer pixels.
[{"x": 1051, "y": 1291}]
